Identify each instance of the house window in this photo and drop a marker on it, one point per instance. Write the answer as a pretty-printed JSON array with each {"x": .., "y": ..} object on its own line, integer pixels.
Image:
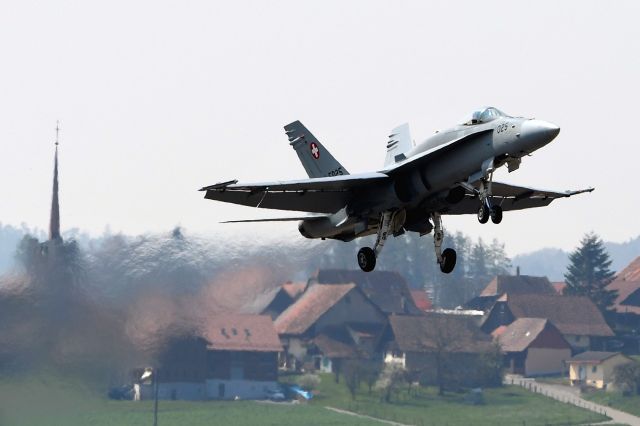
[
  {"x": 594, "y": 369},
  {"x": 577, "y": 338}
]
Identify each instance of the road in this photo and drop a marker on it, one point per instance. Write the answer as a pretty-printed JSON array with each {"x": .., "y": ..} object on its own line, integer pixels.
[{"x": 571, "y": 395}]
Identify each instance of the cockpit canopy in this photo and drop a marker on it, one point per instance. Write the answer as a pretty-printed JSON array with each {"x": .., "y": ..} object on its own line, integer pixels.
[{"x": 483, "y": 115}]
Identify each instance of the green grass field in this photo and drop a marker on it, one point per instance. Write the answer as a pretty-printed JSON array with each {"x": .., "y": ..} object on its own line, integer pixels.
[
  {"x": 630, "y": 404},
  {"x": 510, "y": 405},
  {"x": 50, "y": 400}
]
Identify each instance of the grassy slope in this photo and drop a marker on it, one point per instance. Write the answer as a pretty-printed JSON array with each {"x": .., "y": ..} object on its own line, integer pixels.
[
  {"x": 50, "y": 400},
  {"x": 630, "y": 404},
  {"x": 53, "y": 401},
  {"x": 503, "y": 406}
]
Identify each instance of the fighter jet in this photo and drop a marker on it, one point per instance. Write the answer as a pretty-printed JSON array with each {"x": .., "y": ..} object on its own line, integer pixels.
[{"x": 450, "y": 173}]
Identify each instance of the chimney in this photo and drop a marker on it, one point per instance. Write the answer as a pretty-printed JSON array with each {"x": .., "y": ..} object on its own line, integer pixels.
[
  {"x": 517, "y": 271},
  {"x": 54, "y": 222}
]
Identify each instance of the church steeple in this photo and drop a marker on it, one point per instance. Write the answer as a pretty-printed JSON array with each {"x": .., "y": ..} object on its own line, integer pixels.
[{"x": 54, "y": 223}]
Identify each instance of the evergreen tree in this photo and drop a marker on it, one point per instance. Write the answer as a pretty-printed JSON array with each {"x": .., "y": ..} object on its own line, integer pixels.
[{"x": 588, "y": 273}]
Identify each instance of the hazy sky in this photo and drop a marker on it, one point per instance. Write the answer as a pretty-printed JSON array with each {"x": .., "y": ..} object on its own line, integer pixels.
[{"x": 157, "y": 99}]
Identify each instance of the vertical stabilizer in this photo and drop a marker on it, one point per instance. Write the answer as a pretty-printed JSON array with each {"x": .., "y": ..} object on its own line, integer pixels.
[
  {"x": 398, "y": 145},
  {"x": 315, "y": 158}
]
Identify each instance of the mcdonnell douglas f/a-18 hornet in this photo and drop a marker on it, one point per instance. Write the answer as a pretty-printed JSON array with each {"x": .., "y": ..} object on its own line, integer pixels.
[{"x": 450, "y": 173}]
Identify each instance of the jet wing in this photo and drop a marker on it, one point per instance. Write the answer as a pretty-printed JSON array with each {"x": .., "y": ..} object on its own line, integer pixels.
[
  {"x": 512, "y": 197},
  {"x": 319, "y": 195}
]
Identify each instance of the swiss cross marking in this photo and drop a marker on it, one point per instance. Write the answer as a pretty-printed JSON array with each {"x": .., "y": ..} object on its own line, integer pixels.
[{"x": 315, "y": 151}]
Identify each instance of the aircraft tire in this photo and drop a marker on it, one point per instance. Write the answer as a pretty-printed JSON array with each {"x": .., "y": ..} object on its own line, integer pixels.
[
  {"x": 483, "y": 213},
  {"x": 496, "y": 214},
  {"x": 448, "y": 260},
  {"x": 366, "y": 259}
]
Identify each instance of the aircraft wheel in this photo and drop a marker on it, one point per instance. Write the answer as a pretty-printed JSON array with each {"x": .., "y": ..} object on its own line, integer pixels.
[
  {"x": 496, "y": 214},
  {"x": 448, "y": 260},
  {"x": 366, "y": 259},
  {"x": 483, "y": 213}
]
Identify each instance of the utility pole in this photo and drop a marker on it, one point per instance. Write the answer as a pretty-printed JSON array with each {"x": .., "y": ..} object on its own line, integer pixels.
[{"x": 156, "y": 376}]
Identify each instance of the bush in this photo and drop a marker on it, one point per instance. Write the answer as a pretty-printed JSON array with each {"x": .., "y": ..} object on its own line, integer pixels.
[
  {"x": 309, "y": 382},
  {"x": 392, "y": 377},
  {"x": 627, "y": 378}
]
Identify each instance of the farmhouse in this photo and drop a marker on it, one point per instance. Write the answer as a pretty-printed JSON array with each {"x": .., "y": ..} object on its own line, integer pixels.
[
  {"x": 510, "y": 285},
  {"x": 576, "y": 317},
  {"x": 387, "y": 290},
  {"x": 438, "y": 344},
  {"x": 328, "y": 316},
  {"x": 595, "y": 369},
  {"x": 532, "y": 347},
  {"x": 232, "y": 356}
]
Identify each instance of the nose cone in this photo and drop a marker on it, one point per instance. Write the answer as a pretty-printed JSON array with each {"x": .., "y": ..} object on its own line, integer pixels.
[{"x": 537, "y": 133}]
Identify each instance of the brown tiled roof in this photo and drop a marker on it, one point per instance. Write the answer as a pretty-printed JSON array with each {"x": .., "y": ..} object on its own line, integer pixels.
[
  {"x": 520, "y": 334},
  {"x": 518, "y": 284},
  {"x": 238, "y": 332},
  {"x": 593, "y": 357},
  {"x": 313, "y": 303},
  {"x": 293, "y": 289},
  {"x": 454, "y": 333},
  {"x": 570, "y": 314},
  {"x": 626, "y": 283},
  {"x": 421, "y": 299},
  {"x": 387, "y": 290},
  {"x": 334, "y": 348}
]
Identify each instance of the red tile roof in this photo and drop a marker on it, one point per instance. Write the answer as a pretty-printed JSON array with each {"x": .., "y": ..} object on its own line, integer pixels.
[
  {"x": 518, "y": 284},
  {"x": 334, "y": 348},
  {"x": 626, "y": 283},
  {"x": 421, "y": 299},
  {"x": 593, "y": 357},
  {"x": 238, "y": 332},
  {"x": 293, "y": 289},
  {"x": 387, "y": 290},
  {"x": 576, "y": 315},
  {"x": 313, "y": 303},
  {"x": 521, "y": 333}
]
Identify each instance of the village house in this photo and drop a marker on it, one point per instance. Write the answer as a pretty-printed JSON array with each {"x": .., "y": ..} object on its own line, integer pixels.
[
  {"x": 232, "y": 356},
  {"x": 627, "y": 303},
  {"x": 273, "y": 302},
  {"x": 509, "y": 285},
  {"x": 385, "y": 289},
  {"x": 435, "y": 345},
  {"x": 329, "y": 317},
  {"x": 532, "y": 347},
  {"x": 576, "y": 317},
  {"x": 595, "y": 369}
]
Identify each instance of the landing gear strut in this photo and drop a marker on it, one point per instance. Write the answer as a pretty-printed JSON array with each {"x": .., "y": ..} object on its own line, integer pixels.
[
  {"x": 487, "y": 209},
  {"x": 447, "y": 258},
  {"x": 367, "y": 255}
]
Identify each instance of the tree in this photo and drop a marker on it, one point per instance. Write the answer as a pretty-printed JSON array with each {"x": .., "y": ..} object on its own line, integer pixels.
[
  {"x": 588, "y": 273},
  {"x": 627, "y": 377},
  {"x": 391, "y": 378},
  {"x": 352, "y": 373}
]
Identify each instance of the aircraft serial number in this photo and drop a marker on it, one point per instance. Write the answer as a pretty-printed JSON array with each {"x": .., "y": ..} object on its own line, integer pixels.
[
  {"x": 336, "y": 172},
  {"x": 502, "y": 128}
]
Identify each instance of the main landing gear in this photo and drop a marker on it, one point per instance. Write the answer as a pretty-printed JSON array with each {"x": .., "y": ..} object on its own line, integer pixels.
[
  {"x": 367, "y": 255},
  {"x": 446, "y": 258},
  {"x": 487, "y": 209}
]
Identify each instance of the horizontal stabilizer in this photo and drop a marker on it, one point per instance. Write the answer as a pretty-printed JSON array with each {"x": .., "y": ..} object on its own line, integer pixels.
[{"x": 275, "y": 219}]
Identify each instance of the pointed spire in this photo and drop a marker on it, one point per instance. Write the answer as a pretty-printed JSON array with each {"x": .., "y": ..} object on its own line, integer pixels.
[{"x": 54, "y": 223}]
